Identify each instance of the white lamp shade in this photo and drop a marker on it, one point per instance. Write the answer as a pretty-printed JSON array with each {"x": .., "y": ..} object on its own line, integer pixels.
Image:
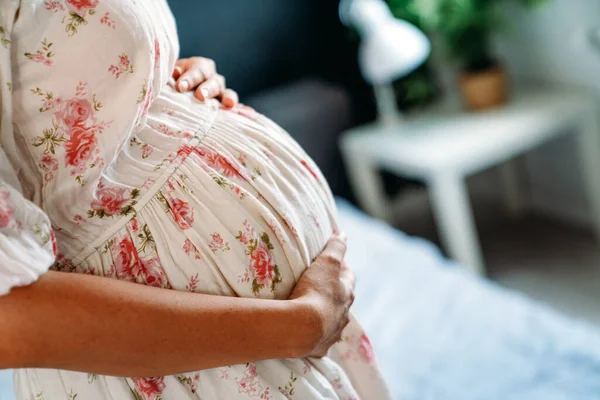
[
  {"x": 390, "y": 48},
  {"x": 392, "y": 51}
]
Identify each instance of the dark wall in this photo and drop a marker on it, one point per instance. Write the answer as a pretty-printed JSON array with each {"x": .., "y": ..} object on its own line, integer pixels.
[{"x": 259, "y": 44}]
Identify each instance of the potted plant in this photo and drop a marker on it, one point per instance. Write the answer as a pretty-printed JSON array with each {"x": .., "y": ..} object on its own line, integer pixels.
[{"x": 467, "y": 28}]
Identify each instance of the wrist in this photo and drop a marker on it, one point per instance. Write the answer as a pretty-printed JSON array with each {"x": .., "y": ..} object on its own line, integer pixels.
[{"x": 308, "y": 323}]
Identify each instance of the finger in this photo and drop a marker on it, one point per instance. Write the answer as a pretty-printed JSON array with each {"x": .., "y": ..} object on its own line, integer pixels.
[
  {"x": 335, "y": 249},
  {"x": 229, "y": 98},
  {"x": 190, "y": 79},
  {"x": 245, "y": 107},
  {"x": 177, "y": 71},
  {"x": 212, "y": 88},
  {"x": 180, "y": 67},
  {"x": 195, "y": 71}
]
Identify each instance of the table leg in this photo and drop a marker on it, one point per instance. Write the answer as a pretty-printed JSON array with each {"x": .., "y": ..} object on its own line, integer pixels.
[
  {"x": 367, "y": 182},
  {"x": 589, "y": 154},
  {"x": 513, "y": 194},
  {"x": 450, "y": 202}
]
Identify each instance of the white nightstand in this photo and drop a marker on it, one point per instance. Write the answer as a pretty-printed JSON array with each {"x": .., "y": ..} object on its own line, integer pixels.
[{"x": 445, "y": 144}]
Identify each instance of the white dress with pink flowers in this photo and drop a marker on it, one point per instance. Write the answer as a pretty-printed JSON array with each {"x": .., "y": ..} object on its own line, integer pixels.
[{"x": 106, "y": 170}]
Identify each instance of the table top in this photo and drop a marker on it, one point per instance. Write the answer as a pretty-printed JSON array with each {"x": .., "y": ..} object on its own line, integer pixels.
[{"x": 447, "y": 137}]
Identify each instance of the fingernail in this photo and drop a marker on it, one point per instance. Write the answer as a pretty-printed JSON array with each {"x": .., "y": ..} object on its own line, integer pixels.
[
  {"x": 205, "y": 93},
  {"x": 183, "y": 86}
]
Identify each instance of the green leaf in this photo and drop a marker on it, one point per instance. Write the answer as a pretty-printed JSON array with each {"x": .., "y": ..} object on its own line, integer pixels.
[{"x": 264, "y": 237}]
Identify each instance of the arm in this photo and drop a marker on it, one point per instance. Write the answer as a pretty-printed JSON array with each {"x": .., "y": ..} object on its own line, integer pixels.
[
  {"x": 88, "y": 323},
  {"x": 94, "y": 324}
]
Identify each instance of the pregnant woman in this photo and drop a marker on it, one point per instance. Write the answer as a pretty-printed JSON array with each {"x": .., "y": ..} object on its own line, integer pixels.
[{"x": 144, "y": 183}]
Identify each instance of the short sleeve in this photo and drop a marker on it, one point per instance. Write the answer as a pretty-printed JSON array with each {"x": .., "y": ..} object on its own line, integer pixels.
[{"x": 27, "y": 245}]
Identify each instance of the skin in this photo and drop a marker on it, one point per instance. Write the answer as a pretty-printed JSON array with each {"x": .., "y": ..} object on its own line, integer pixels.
[
  {"x": 200, "y": 74},
  {"x": 95, "y": 324}
]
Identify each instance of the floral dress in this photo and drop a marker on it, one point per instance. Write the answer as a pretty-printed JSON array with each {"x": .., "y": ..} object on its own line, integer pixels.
[{"x": 106, "y": 170}]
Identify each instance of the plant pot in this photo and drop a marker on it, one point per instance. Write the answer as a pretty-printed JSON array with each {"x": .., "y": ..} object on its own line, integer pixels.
[{"x": 484, "y": 89}]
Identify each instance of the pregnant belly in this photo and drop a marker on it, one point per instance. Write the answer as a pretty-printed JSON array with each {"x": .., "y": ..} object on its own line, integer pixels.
[{"x": 244, "y": 212}]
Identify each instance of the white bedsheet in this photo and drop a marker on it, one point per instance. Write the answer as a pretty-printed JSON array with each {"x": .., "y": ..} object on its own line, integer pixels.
[{"x": 442, "y": 334}]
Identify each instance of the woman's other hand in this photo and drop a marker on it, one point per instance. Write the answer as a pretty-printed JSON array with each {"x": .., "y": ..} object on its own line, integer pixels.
[
  {"x": 328, "y": 286},
  {"x": 200, "y": 74}
]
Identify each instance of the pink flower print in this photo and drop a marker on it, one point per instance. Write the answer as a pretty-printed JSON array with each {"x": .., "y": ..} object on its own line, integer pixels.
[
  {"x": 239, "y": 191},
  {"x": 222, "y": 164},
  {"x": 81, "y": 7},
  {"x": 224, "y": 373},
  {"x": 134, "y": 225},
  {"x": 127, "y": 261},
  {"x": 154, "y": 273},
  {"x": 99, "y": 162},
  {"x": 182, "y": 212},
  {"x": 193, "y": 283},
  {"x": 54, "y": 243},
  {"x": 48, "y": 162},
  {"x": 365, "y": 349},
  {"x": 49, "y": 177},
  {"x": 190, "y": 249},
  {"x": 54, "y": 5},
  {"x": 247, "y": 234},
  {"x": 307, "y": 367},
  {"x": 43, "y": 55},
  {"x": 80, "y": 147},
  {"x": 111, "y": 200},
  {"x": 81, "y": 89},
  {"x": 163, "y": 128},
  {"x": 184, "y": 151},
  {"x": 168, "y": 111},
  {"x": 7, "y": 209},
  {"x": 217, "y": 243},
  {"x": 37, "y": 57},
  {"x": 291, "y": 227},
  {"x": 106, "y": 20},
  {"x": 75, "y": 112},
  {"x": 88, "y": 271},
  {"x": 78, "y": 220},
  {"x": 262, "y": 264},
  {"x": 150, "y": 388},
  {"x": 145, "y": 98},
  {"x": 315, "y": 220},
  {"x": 268, "y": 153},
  {"x": 242, "y": 159},
  {"x": 310, "y": 170},
  {"x": 276, "y": 229},
  {"x": 147, "y": 151},
  {"x": 148, "y": 183},
  {"x": 249, "y": 382},
  {"x": 124, "y": 67},
  {"x": 156, "y": 52},
  {"x": 54, "y": 102}
]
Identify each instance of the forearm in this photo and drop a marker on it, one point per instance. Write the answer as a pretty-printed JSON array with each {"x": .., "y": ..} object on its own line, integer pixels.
[{"x": 92, "y": 324}]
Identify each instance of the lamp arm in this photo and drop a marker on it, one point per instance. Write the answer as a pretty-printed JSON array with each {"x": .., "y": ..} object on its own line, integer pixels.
[{"x": 387, "y": 107}]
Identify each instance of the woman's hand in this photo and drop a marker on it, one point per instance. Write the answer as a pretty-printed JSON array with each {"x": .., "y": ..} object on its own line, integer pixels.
[
  {"x": 200, "y": 74},
  {"x": 328, "y": 285}
]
